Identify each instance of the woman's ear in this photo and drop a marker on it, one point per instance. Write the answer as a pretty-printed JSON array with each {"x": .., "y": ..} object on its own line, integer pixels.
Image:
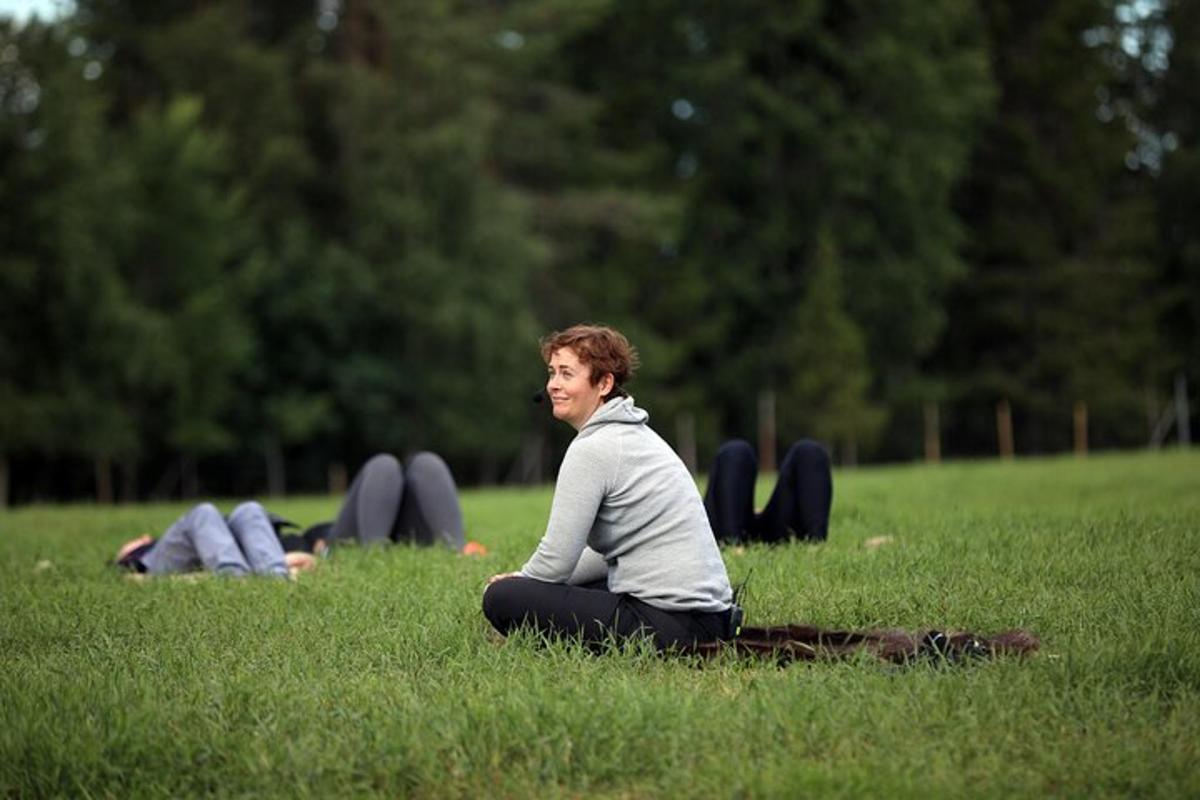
[{"x": 606, "y": 384}]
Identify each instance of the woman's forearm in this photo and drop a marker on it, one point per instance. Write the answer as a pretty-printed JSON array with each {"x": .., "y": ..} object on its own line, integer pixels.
[{"x": 590, "y": 568}]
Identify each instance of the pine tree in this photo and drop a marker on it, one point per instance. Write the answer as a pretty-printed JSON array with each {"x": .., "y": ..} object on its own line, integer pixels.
[
  {"x": 66, "y": 327},
  {"x": 852, "y": 118},
  {"x": 823, "y": 367},
  {"x": 1177, "y": 120},
  {"x": 1058, "y": 307}
]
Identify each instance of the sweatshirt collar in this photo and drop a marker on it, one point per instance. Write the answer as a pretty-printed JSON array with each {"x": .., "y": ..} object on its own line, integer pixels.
[{"x": 618, "y": 411}]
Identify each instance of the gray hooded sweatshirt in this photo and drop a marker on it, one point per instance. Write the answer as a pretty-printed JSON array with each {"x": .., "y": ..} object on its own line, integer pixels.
[{"x": 626, "y": 508}]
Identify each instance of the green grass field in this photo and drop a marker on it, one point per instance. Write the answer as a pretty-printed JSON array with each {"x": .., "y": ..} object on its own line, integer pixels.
[{"x": 375, "y": 674}]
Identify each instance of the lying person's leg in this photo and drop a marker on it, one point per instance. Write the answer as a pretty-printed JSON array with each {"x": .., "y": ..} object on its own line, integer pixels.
[
  {"x": 252, "y": 529},
  {"x": 369, "y": 511},
  {"x": 200, "y": 538},
  {"x": 429, "y": 511},
  {"x": 803, "y": 495},
  {"x": 595, "y": 615},
  {"x": 729, "y": 499}
]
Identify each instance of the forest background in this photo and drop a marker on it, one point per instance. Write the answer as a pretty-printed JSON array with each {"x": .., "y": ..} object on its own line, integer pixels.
[{"x": 244, "y": 244}]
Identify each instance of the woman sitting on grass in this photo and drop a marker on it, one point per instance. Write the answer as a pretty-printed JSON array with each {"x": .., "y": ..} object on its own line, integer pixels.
[
  {"x": 244, "y": 543},
  {"x": 628, "y": 550}
]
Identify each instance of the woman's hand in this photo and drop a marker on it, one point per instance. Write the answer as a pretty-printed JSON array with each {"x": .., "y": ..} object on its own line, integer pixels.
[{"x": 501, "y": 576}]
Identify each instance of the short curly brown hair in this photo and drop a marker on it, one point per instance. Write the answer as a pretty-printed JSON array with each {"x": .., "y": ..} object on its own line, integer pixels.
[{"x": 601, "y": 348}]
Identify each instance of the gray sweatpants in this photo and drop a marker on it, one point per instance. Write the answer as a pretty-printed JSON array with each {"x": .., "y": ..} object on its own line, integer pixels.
[
  {"x": 416, "y": 502},
  {"x": 243, "y": 544}
]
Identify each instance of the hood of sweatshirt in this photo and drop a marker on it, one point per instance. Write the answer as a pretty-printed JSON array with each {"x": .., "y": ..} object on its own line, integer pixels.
[{"x": 620, "y": 411}]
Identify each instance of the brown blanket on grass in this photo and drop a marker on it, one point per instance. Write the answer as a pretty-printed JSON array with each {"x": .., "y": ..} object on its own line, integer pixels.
[{"x": 786, "y": 643}]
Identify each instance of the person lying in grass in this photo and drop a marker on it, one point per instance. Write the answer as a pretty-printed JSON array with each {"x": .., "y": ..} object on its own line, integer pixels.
[
  {"x": 416, "y": 502},
  {"x": 628, "y": 550},
  {"x": 246, "y": 542}
]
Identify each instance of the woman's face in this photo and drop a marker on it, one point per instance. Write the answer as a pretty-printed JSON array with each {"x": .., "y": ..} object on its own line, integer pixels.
[{"x": 572, "y": 396}]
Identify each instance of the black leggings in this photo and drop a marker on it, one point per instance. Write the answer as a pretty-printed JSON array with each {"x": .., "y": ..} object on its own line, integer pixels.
[
  {"x": 595, "y": 615},
  {"x": 416, "y": 503},
  {"x": 799, "y": 506}
]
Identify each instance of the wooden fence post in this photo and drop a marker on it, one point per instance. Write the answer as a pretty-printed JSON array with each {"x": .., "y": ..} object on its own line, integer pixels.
[
  {"x": 1004, "y": 430},
  {"x": 1081, "y": 429},
  {"x": 933, "y": 434},
  {"x": 766, "y": 431}
]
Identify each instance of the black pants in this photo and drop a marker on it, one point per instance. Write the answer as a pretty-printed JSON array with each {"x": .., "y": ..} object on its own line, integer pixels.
[
  {"x": 595, "y": 615},
  {"x": 799, "y": 506}
]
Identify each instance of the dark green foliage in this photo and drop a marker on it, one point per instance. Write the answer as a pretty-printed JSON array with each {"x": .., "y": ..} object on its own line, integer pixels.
[
  {"x": 280, "y": 237},
  {"x": 65, "y": 320},
  {"x": 1178, "y": 189},
  {"x": 806, "y": 122},
  {"x": 1060, "y": 306},
  {"x": 829, "y": 399}
]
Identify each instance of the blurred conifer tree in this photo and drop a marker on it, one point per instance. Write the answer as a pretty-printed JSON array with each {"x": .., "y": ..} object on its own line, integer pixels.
[{"x": 1059, "y": 306}]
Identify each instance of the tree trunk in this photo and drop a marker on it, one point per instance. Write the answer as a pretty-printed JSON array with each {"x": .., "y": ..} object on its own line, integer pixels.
[
  {"x": 1183, "y": 419},
  {"x": 168, "y": 480},
  {"x": 104, "y": 484},
  {"x": 489, "y": 470},
  {"x": 129, "y": 480},
  {"x": 189, "y": 480},
  {"x": 685, "y": 440},
  {"x": 766, "y": 431},
  {"x": 850, "y": 451},
  {"x": 337, "y": 478},
  {"x": 530, "y": 464},
  {"x": 1081, "y": 429},
  {"x": 1151, "y": 413},
  {"x": 1004, "y": 430},
  {"x": 933, "y": 434},
  {"x": 276, "y": 469}
]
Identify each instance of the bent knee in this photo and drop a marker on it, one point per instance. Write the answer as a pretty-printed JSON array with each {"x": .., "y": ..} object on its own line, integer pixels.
[
  {"x": 737, "y": 450},
  {"x": 248, "y": 507},
  {"x": 204, "y": 512},
  {"x": 425, "y": 467},
  {"x": 809, "y": 451},
  {"x": 382, "y": 461},
  {"x": 501, "y": 603}
]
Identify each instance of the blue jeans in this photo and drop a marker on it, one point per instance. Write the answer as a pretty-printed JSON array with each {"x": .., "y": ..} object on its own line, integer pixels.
[{"x": 243, "y": 544}]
